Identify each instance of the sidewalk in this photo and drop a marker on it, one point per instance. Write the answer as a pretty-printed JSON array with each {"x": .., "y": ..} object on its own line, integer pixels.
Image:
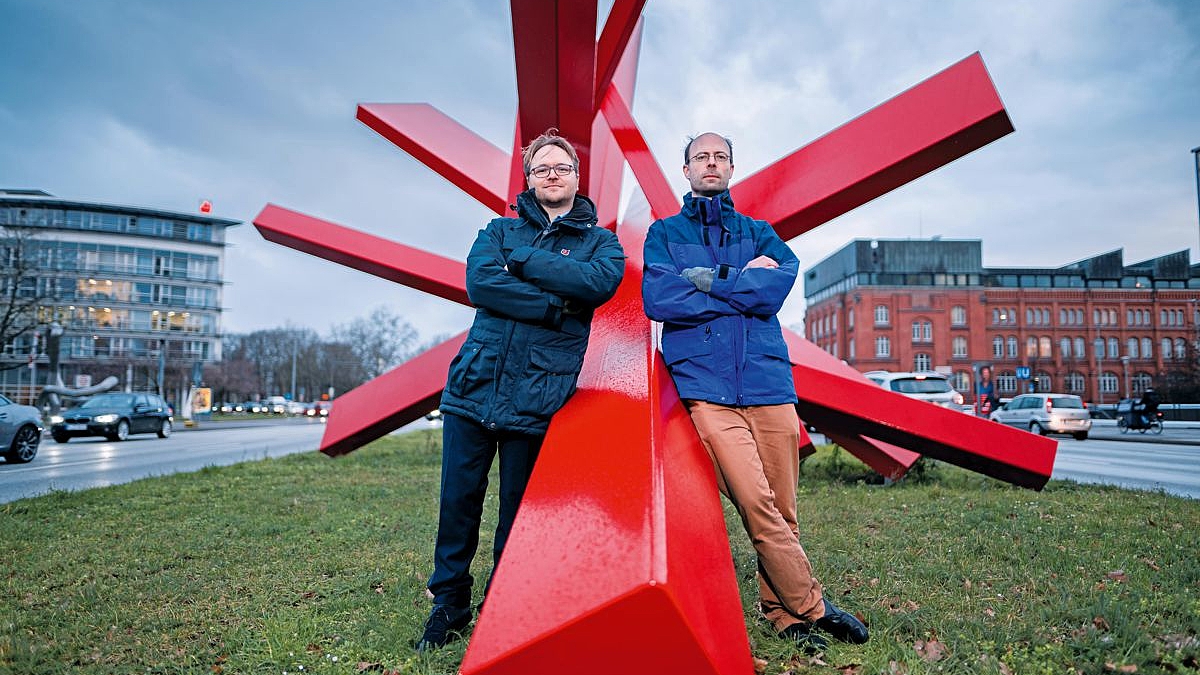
[{"x": 1175, "y": 433}]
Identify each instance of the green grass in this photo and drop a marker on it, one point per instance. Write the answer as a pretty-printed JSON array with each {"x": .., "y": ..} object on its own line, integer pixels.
[{"x": 268, "y": 566}]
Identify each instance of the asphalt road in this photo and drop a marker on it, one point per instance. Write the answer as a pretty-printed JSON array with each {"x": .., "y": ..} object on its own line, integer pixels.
[
  {"x": 94, "y": 462},
  {"x": 1169, "y": 462}
]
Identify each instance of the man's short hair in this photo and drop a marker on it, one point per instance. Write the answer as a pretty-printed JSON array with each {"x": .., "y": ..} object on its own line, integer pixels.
[
  {"x": 687, "y": 149},
  {"x": 550, "y": 137}
]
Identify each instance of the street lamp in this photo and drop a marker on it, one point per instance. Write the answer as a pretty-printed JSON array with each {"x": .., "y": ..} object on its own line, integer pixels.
[
  {"x": 1125, "y": 364},
  {"x": 1196, "y": 158}
]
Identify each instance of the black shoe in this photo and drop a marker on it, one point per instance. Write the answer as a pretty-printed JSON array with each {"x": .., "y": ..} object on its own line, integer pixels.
[
  {"x": 443, "y": 626},
  {"x": 842, "y": 625},
  {"x": 808, "y": 642}
]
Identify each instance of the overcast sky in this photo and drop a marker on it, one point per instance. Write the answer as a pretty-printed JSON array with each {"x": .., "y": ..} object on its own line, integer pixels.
[{"x": 163, "y": 104}]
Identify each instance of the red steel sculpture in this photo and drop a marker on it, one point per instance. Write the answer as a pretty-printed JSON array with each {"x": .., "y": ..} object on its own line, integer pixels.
[{"x": 619, "y": 559}]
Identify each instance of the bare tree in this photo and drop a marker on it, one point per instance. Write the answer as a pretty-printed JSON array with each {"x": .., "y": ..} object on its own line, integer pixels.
[
  {"x": 380, "y": 342},
  {"x": 22, "y": 290}
]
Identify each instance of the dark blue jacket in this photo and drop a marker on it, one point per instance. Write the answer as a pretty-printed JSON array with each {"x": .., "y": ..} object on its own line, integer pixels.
[
  {"x": 534, "y": 285},
  {"x": 724, "y": 346}
]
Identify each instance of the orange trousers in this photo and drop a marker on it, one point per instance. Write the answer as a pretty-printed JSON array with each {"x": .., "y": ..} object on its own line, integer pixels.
[{"x": 755, "y": 451}]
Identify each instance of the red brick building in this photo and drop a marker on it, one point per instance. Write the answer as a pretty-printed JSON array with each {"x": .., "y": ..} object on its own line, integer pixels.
[{"x": 1096, "y": 328}]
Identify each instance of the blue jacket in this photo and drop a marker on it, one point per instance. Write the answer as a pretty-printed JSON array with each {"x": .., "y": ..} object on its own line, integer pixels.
[
  {"x": 724, "y": 346},
  {"x": 534, "y": 285}
]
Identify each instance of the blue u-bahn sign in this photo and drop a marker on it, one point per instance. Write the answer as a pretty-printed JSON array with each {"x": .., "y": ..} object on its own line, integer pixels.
[{"x": 1023, "y": 372}]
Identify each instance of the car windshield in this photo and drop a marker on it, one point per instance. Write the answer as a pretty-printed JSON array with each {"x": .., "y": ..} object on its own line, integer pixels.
[
  {"x": 1066, "y": 402},
  {"x": 925, "y": 385},
  {"x": 110, "y": 401}
]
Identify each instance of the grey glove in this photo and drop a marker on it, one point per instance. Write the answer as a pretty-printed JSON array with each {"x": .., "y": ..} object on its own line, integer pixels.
[{"x": 701, "y": 277}]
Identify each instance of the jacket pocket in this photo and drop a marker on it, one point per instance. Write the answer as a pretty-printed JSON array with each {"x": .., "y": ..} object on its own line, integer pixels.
[
  {"x": 550, "y": 381},
  {"x": 472, "y": 372}
]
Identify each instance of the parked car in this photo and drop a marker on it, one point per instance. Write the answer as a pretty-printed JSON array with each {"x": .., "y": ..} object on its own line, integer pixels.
[
  {"x": 1046, "y": 414},
  {"x": 114, "y": 416},
  {"x": 924, "y": 386},
  {"x": 20, "y": 431}
]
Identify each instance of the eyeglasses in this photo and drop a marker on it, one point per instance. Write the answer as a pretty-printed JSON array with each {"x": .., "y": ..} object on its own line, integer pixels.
[
  {"x": 543, "y": 171},
  {"x": 704, "y": 157}
]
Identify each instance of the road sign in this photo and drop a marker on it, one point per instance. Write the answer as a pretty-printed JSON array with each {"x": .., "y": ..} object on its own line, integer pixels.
[{"x": 1022, "y": 372}]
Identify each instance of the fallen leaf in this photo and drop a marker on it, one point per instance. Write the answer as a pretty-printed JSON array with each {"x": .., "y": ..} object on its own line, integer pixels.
[
  {"x": 1117, "y": 575},
  {"x": 873, "y": 582},
  {"x": 896, "y": 668},
  {"x": 930, "y": 650},
  {"x": 313, "y": 648},
  {"x": 760, "y": 665},
  {"x": 1004, "y": 669},
  {"x": 989, "y": 612},
  {"x": 1151, "y": 564},
  {"x": 967, "y": 584},
  {"x": 217, "y": 670},
  {"x": 850, "y": 669},
  {"x": 1100, "y": 623},
  {"x": 1130, "y": 668},
  {"x": 365, "y": 666}
]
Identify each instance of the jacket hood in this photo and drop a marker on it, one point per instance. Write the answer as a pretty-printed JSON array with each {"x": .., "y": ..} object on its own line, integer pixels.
[{"x": 581, "y": 216}]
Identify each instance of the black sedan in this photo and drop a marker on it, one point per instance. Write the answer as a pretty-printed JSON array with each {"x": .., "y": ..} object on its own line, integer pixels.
[{"x": 114, "y": 416}]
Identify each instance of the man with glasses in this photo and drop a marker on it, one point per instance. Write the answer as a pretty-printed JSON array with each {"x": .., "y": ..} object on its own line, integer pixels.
[
  {"x": 535, "y": 281},
  {"x": 716, "y": 279}
]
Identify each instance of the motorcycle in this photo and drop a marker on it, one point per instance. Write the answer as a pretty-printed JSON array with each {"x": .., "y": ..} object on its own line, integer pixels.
[{"x": 1132, "y": 415}]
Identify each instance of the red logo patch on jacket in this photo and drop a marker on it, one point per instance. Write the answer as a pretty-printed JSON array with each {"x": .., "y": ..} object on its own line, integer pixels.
[{"x": 565, "y": 251}]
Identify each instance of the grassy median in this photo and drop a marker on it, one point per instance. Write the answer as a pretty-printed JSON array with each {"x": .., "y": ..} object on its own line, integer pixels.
[{"x": 308, "y": 565}]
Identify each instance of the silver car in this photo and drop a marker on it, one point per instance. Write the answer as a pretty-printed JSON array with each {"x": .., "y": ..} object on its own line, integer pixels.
[
  {"x": 928, "y": 386},
  {"x": 1046, "y": 414},
  {"x": 20, "y": 431}
]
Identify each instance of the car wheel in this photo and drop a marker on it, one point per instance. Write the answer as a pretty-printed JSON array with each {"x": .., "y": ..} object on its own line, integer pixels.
[
  {"x": 122, "y": 431},
  {"x": 1035, "y": 428},
  {"x": 60, "y": 438},
  {"x": 1081, "y": 435},
  {"x": 164, "y": 429},
  {"x": 24, "y": 446}
]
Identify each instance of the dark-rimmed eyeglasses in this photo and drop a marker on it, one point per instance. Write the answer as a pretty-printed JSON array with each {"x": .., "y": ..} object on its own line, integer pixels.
[
  {"x": 704, "y": 157},
  {"x": 542, "y": 171}
]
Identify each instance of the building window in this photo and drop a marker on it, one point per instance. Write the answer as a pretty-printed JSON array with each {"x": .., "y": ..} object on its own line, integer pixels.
[
  {"x": 1180, "y": 349},
  {"x": 1166, "y": 348},
  {"x": 1108, "y": 383},
  {"x": 1141, "y": 382},
  {"x": 1098, "y": 347},
  {"x": 1064, "y": 346},
  {"x": 961, "y": 380},
  {"x": 1044, "y": 381},
  {"x": 1012, "y": 346},
  {"x": 1044, "y": 345},
  {"x": 958, "y": 315},
  {"x": 1031, "y": 344},
  {"x": 922, "y": 331},
  {"x": 922, "y": 362},
  {"x": 883, "y": 346},
  {"x": 1079, "y": 348},
  {"x": 881, "y": 315},
  {"x": 850, "y": 349},
  {"x": 1074, "y": 382},
  {"x": 960, "y": 347},
  {"x": 997, "y": 347},
  {"x": 1147, "y": 348},
  {"x": 1006, "y": 382},
  {"x": 1114, "y": 347},
  {"x": 1131, "y": 348},
  {"x": 850, "y": 320}
]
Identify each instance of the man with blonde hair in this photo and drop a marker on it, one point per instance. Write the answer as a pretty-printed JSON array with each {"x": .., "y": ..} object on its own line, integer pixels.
[{"x": 535, "y": 281}]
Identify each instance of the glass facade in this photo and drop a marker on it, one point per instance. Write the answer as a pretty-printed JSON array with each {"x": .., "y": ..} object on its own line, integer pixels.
[{"x": 126, "y": 285}]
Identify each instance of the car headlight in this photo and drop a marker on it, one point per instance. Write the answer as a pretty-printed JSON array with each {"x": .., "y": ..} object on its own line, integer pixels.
[
  {"x": 56, "y": 419},
  {"x": 107, "y": 418}
]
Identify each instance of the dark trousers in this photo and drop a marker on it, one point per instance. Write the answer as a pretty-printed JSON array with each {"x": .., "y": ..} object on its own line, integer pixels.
[{"x": 467, "y": 453}]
